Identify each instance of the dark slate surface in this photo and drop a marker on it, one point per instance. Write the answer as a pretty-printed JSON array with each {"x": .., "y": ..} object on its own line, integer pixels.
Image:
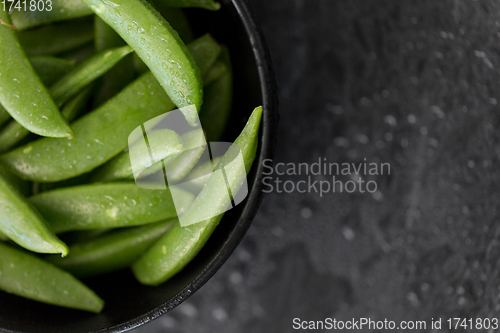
[{"x": 412, "y": 83}]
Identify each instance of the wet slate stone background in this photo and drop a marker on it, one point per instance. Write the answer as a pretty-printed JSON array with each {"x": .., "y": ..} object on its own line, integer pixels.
[{"x": 413, "y": 83}]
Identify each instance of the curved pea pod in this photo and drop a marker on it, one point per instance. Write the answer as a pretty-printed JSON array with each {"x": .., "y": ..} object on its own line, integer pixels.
[
  {"x": 205, "y": 4},
  {"x": 195, "y": 145},
  {"x": 180, "y": 245},
  {"x": 27, "y": 276},
  {"x": 61, "y": 10},
  {"x": 23, "y": 94},
  {"x": 14, "y": 133},
  {"x": 49, "y": 70},
  {"x": 57, "y": 38},
  {"x": 200, "y": 175},
  {"x": 121, "y": 74},
  {"x": 87, "y": 72},
  {"x": 111, "y": 252},
  {"x": 164, "y": 145},
  {"x": 108, "y": 206},
  {"x": 98, "y": 137},
  {"x": 158, "y": 45},
  {"x": 24, "y": 225}
]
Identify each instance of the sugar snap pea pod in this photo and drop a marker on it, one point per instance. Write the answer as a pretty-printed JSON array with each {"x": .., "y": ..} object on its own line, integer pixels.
[
  {"x": 87, "y": 72},
  {"x": 121, "y": 74},
  {"x": 57, "y": 38},
  {"x": 180, "y": 245},
  {"x": 49, "y": 69},
  {"x": 24, "y": 225},
  {"x": 14, "y": 133},
  {"x": 164, "y": 144},
  {"x": 98, "y": 137},
  {"x": 111, "y": 252},
  {"x": 205, "y": 4},
  {"x": 108, "y": 206},
  {"x": 28, "y": 276},
  {"x": 22, "y": 93},
  {"x": 60, "y": 10},
  {"x": 195, "y": 145},
  {"x": 83, "y": 236},
  {"x": 158, "y": 45}
]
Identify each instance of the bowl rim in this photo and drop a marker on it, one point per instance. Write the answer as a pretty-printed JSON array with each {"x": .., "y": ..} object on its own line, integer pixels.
[{"x": 268, "y": 142}]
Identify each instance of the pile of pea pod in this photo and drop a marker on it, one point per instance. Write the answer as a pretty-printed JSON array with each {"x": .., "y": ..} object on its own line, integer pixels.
[{"x": 74, "y": 83}]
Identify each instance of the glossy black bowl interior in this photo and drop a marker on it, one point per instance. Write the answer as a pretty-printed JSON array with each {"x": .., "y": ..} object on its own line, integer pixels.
[{"x": 129, "y": 304}]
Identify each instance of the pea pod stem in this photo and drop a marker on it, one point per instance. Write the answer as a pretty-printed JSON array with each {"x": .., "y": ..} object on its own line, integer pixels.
[
  {"x": 111, "y": 252},
  {"x": 27, "y": 276},
  {"x": 158, "y": 45},
  {"x": 97, "y": 137},
  {"x": 23, "y": 95},
  {"x": 108, "y": 206},
  {"x": 180, "y": 245}
]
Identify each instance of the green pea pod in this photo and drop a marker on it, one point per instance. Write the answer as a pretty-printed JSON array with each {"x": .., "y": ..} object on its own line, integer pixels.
[
  {"x": 108, "y": 206},
  {"x": 57, "y": 38},
  {"x": 121, "y": 74},
  {"x": 200, "y": 175},
  {"x": 14, "y": 133},
  {"x": 180, "y": 245},
  {"x": 99, "y": 136},
  {"x": 205, "y": 51},
  {"x": 195, "y": 145},
  {"x": 164, "y": 144},
  {"x": 49, "y": 69},
  {"x": 24, "y": 225},
  {"x": 158, "y": 45},
  {"x": 23, "y": 95},
  {"x": 215, "y": 112},
  {"x": 87, "y": 72},
  {"x": 25, "y": 275},
  {"x": 205, "y": 4},
  {"x": 60, "y": 10},
  {"x": 111, "y": 252},
  {"x": 83, "y": 236},
  {"x": 3, "y": 237}
]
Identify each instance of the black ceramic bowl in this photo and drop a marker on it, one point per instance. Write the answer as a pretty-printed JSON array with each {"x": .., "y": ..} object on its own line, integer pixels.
[{"x": 128, "y": 303}]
